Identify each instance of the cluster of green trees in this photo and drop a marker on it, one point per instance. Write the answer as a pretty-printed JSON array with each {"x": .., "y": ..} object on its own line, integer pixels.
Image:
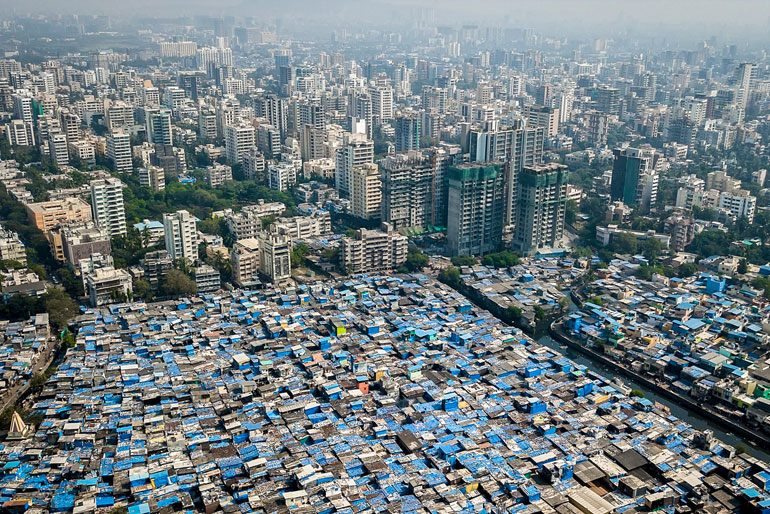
[
  {"x": 450, "y": 276},
  {"x": 626, "y": 243},
  {"x": 39, "y": 187},
  {"x": 687, "y": 269},
  {"x": 512, "y": 314},
  {"x": 583, "y": 175},
  {"x": 717, "y": 242},
  {"x": 464, "y": 260},
  {"x": 763, "y": 284},
  {"x": 504, "y": 259},
  {"x": 59, "y": 305},
  {"x": 415, "y": 261},
  {"x": 177, "y": 283},
  {"x": 200, "y": 200},
  {"x": 37, "y": 382},
  {"x": 645, "y": 271},
  {"x": 299, "y": 255}
]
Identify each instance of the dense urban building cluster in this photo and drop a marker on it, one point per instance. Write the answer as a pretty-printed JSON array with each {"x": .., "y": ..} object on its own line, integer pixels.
[
  {"x": 372, "y": 394},
  {"x": 247, "y": 267}
]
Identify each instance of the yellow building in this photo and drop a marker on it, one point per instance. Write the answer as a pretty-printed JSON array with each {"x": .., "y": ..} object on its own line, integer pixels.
[{"x": 48, "y": 215}]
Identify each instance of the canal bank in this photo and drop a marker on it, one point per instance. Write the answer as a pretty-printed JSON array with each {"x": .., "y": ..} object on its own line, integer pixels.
[
  {"x": 681, "y": 406},
  {"x": 694, "y": 416}
]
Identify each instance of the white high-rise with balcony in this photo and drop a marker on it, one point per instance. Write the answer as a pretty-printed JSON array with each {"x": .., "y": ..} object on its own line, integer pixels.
[
  {"x": 181, "y": 235},
  {"x": 107, "y": 205}
]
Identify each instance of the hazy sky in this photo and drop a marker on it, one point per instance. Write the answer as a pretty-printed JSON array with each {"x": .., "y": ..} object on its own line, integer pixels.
[{"x": 569, "y": 15}]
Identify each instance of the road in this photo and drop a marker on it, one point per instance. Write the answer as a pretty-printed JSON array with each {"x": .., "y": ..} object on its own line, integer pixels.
[{"x": 12, "y": 395}]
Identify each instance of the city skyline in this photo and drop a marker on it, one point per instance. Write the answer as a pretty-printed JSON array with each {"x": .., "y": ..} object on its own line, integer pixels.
[{"x": 398, "y": 256}]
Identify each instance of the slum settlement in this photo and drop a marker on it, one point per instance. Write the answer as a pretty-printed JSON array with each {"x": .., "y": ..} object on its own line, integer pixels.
[{"x": 374, "y": 394}]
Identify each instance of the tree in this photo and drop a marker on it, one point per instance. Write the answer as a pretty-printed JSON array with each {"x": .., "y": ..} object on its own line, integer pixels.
[
  {"x": 539, "y": 312},
  {"x": 298, "y": 255},
  {"x": 644, "y": 272},
  {"x": 176, "y": 283},
  {"x": 71, "y": 284},
  {"x": 60, "y": 307},
  {"x": 415, "y": 260},
  {"x": 464, "y": 260},
  {"x": 687, "y": 269},
  {"x": 38, "y": 270},
  {"x": 142, "y": 289},
  {"x": 450, "y": 276},
  {"x": 202, "y": 160},
  {"x": 637, "y": 393},
  {"x": 238, "y": 172},
  {"x": 513, "y": 313},
  {"x": 651, "y": 249},
  {"x": 707, "y": 214},
  {"x": 97, "y": 128},
  {"x": 268, "y": 220},
  {"x": 427, "y": 141},
  {"x": 596, "y": 301},
  {"x": 223, "y": 265},
  {"x": 214, "y": 226},
  {"x": 711, "y": 242},
  {"x": 68, "y": 340},
  {"x": 743, "y": 267},
  {"x": 503, "y": 259},
  {"x": 624, "y": 243},
  {"x": 763, "y": 284},
  {"x": 5, "y": 417},
  {"x": 37, "y": 383}
]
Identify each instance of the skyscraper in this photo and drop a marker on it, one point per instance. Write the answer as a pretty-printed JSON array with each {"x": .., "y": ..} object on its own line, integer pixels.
[
  {"x": 382, "y": 102},
  {"x": 544, "y": 95},
  {"x": 119, "y": 151},
  {"x": 476, "y": 204},
  {"x": 366, "y": 191},
  {"x": 598, "y": 125},
  {"x": 373, "y": 250},
  {"x": 20, "y": 133},
  {"x": 70, "y": 123},
  {"x": 518, "y": 147},
  {"x": 307, "y": 112},
  {"x": 408, "y": 133},
  {"x": 356, "y": 151},
  {"x": 153, "y": 177},
  {"x": 57, "y": 148},
  {"x": 541, "y": 206},
  {"x": 159, "y": 127},
  {"x": 361, "y": 109},
  {"x": 239, "y": 140},
  {"x": 181, "y": 235},
  {"x": 107, "y": 205},
  {"x": 414, "y": 188},
  {"x": 546, "y": 117},
  {"x": 608, "y": 100},
  {"x": 274, "y": 256},
  {"x": 22, "y": 107},
  {"x": 746, "y": 77},
  {"x": 207, "y": 124},
  {"x": 311, "y": 143},
  {"x": 634, "y": 179},
  {"x": 273, "y": 109}
]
